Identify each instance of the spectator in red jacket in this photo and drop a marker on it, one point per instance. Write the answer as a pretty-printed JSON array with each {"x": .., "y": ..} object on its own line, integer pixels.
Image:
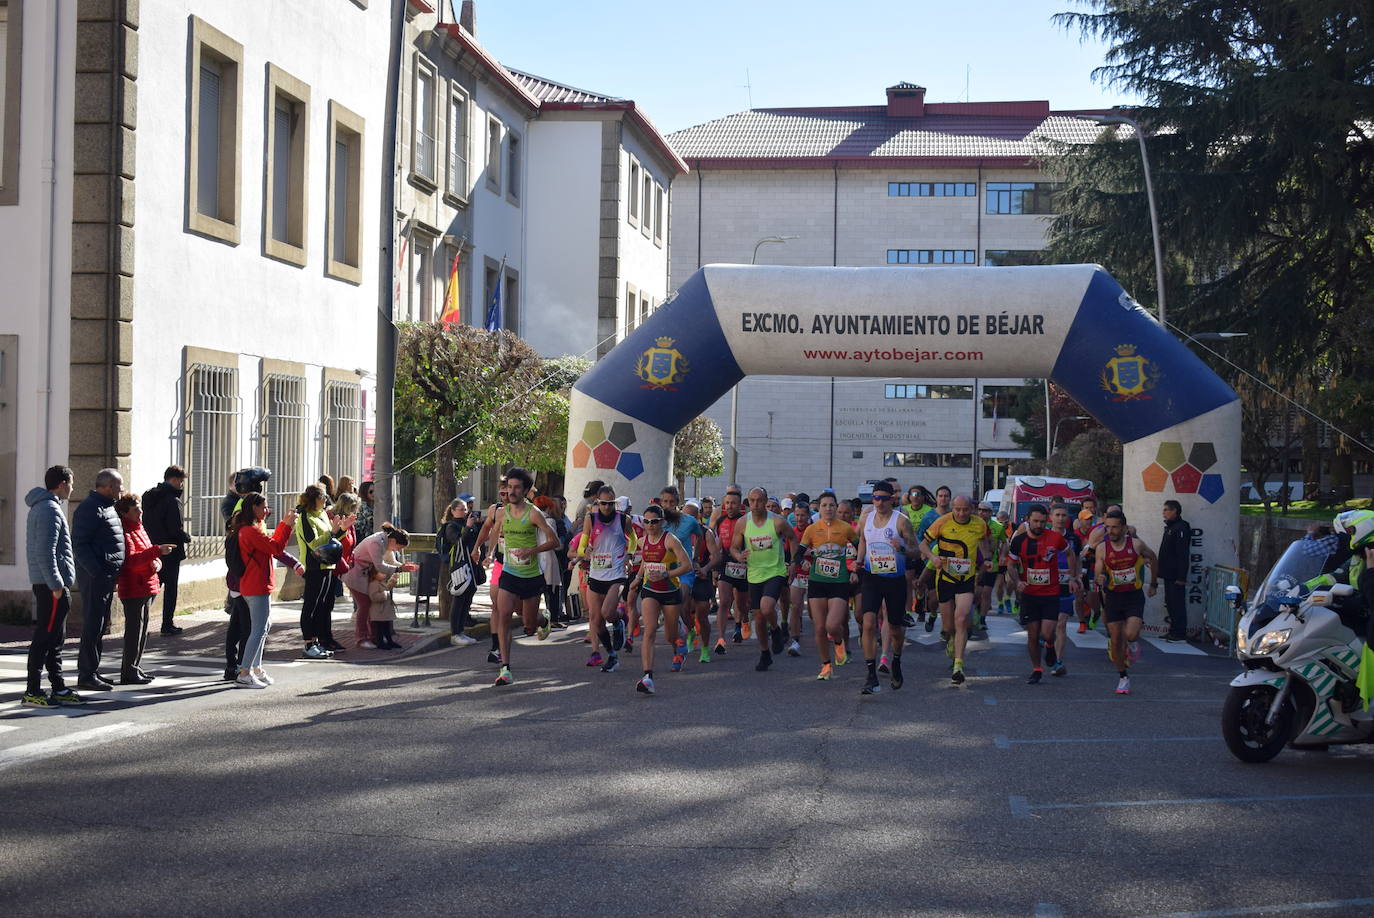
[
  {"x": 258, "y": 580},
  {"x": 137, "y": 585}
]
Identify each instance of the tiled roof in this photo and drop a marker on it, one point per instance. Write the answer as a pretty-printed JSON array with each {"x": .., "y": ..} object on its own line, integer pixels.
[
  {"x": 546, "y": 90},
  {"x": 863, "y": 132}
]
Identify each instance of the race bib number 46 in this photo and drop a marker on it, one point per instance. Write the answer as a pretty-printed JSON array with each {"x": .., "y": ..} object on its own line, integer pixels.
[{"x": 1038, "y": 577}]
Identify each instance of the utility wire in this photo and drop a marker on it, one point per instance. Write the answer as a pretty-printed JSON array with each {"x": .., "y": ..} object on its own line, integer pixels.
[{"x": 1351, "y": 437}]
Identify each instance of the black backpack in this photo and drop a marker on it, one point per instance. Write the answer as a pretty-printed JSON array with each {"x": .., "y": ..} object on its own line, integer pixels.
[{"x": 232, "y": 558}]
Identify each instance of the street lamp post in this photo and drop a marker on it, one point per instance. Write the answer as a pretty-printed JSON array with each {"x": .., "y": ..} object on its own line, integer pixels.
[
  {"x": 734, "y": 391},
  {"x": 1149, "y": 197}
]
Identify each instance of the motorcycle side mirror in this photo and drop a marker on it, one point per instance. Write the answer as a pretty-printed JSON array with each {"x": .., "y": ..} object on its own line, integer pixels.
[{"x": 1233, "y": 592}]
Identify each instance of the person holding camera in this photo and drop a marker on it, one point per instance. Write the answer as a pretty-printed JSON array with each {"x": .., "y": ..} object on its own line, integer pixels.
[
  {"x": 257, "y": 579},
  {"x": 320, "y": 549}
]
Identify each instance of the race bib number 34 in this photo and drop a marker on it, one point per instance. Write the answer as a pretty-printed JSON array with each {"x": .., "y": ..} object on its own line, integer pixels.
[{"x": 882, "y": 559}]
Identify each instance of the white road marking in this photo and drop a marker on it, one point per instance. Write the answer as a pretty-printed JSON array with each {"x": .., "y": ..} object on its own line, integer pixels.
[
  {"x": 1003, "y": 742},
  {"x": 1182, "y": 647},
  {"x": 1022, "y": 809},
  {"x": 81, "y": 739},
  {"x": 1328, "y": 905}
]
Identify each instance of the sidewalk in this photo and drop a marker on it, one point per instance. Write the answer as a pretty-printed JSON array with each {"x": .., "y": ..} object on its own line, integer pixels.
[{"x": 205, "y": 631}]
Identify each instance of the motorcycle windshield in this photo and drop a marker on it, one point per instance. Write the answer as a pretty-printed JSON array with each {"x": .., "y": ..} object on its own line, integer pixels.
[{"x": 1302, "y": 561}]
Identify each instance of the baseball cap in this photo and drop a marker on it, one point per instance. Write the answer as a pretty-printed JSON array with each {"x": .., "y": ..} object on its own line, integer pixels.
[
  {"x": 622, "y": 503},
  {"x": 693, "y": 502},
  {"x": 803, "y": 497},
  {"x": 884, "y": 486},
  {"x": 465, "y": 497},
  {"x": 1085, "y": 515},
  {"x": 787, "y": 503}
]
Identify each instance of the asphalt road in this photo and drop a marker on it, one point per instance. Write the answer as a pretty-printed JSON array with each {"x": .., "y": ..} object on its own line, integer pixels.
[{"x": 387, "y": 789}]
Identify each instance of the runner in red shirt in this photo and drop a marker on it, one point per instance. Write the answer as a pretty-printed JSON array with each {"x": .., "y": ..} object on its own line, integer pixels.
[{"x": 1033, "y": 566}]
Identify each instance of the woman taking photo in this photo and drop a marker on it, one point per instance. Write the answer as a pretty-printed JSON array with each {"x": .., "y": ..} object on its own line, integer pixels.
[
  {"x": 138, "y": 584},
  {"x": 318, "y": 549},
  {"x": 344, "y": 510},
  {"x": 258, "y": 580},
  {"x": 455, "y": 544},
  {"x": 377, "y": 552}
]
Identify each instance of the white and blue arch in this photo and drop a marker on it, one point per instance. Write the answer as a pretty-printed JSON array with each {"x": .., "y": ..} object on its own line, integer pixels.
[{"x": 1071, "y": 323}]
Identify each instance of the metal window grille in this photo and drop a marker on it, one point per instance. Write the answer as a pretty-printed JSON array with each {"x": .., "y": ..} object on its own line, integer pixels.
[
  {"x": 343, "y": 429},
  {"x": 281, "y": 439},
  {"x": 458, "y": 146},
  {"x": 213, "y": 410},
  {"x": 424, "y": 126}
]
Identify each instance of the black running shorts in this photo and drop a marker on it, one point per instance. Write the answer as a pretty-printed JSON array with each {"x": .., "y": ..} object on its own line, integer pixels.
[
  {"x": 522, "y": 587},
  {"x": 1119, "y": 606},
  {"x": 772, "y": 588},
  {"x": 889, "y": 593}
]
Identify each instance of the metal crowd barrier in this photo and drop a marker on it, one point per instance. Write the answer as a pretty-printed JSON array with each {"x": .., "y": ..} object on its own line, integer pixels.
[{"x": 1219, "y": 616}]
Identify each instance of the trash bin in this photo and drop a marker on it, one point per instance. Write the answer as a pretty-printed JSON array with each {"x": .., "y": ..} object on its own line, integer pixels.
[{"x": 424, "y": 583}]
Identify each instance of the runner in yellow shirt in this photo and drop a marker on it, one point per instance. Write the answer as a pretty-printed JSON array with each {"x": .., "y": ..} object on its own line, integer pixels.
[{"x": 951, "y": 547}]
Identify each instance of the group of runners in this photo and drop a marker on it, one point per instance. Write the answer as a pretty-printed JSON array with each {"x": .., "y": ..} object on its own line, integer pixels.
[{"x": 753, "y": 563}]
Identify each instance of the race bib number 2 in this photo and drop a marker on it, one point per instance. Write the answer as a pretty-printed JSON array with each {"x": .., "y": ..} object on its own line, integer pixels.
[{"x": 1124, "y": 577}]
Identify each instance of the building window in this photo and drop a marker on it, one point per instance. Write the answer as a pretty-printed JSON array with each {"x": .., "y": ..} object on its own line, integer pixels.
[
  {"x": 513, "y": 166},
  {"x": 11, "y": 53},
  {"x": 648, "y": 198},
  {"x": 931, "y": 257},
  {"x": 631, "y": 308},
  {"x": 928, "y": 460},
  {"x": 1007, "y": 258},
  {"x": 421, "y": 308},
  {"x": 645, "y": 307},
  {"x": 216, "y": 126},
  {"x": 922, "y": 391},
  {"x": 490, "y": 284},
  {"x": 457, "y": 177},
  {"x": 1021, "y": 197},
  {"x": 510, "y": 299},
  {"x": 634, "y": 193},
  {"x": 211, "y": 427},
  {"x": 494, "y": 154},
  {"x": 10, "y": 401},
  {"x": 1001, "y": 401},
  {"x": 423, "y": 121},
  {"x": 659, "y": 199},
  {"x": 932, "y": 189},
  {"x": 281, "y": 439},
  {"x": 343, "y": 428},
  {"x": 287, "y": 152},
  {"x": 344, "y": 222}
]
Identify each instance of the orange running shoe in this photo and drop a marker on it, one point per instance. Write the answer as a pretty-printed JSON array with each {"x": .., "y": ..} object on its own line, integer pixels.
[
  {"x": 744, "y": 630},
  {"x": 1082, "y": 627},
  {"x": 840, "y": 657},
  {"x": 826, "y": 672}
]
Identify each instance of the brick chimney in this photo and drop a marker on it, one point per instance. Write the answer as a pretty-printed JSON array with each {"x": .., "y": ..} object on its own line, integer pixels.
[
  {"x": 905, "y": 100},
  {"x": 468, "y": 17}
]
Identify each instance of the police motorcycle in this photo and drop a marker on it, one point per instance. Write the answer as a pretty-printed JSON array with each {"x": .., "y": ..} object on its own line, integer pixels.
[{"x": 1301, "y": 649}]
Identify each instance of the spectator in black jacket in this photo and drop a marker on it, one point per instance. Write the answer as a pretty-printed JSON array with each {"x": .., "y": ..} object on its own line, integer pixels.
[
  {"x": 98, "y": 544},
  {"x": 164, "y": 519},
  {"x": 1173, "y": 569}
]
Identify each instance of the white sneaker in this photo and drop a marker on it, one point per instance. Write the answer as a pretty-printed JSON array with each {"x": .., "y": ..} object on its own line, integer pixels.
[
  {"x": 248, "y": 680},
  {"x": 462, "y": 640},
  {"x": 645, "y": 685},
  {"x": 261, "y": 676},
  {"x": 1124, "y": 686},
  {"x": 367, "y": 645},
  {"x": 794, "y": 649}
]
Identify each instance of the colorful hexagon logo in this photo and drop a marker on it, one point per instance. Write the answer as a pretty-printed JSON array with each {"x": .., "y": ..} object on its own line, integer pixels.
[
  {"x": 1211, "y": 488},
  {"x": 1170, "y": 455},
  {"x": 1186, "y": 479},
  {"x": 598, "y": 450},
  {"x": 1154, "y": 477}
]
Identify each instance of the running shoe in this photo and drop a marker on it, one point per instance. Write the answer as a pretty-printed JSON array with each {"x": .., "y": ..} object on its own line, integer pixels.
[
  {"x": 587, "y": 638},
  {"x": 720, "y": 647},
  {"x": 1124, "y": 686},
  {"x": 949, "y": 645},
  {"x": 682, "y": 649},
  {"x": 841, "y": 655},
  {"x": 504, "y": 677},
  {"x": 493, "y": 656},
  {"x": 957, "y": 676},
  {"x": 826, "y": 672},
  {"x": 1092, "y": 622},
  {"x": 746, "y": 628},
  {"x": 1035, "y": 677},
  {"x": 38, "y": 700},
  {"x": 612, "y": 664},
  {"x": 635, "y": 633},
  {"x": 765, "y": 661},
  {"x": 316, "y": 652},
  {"x": 618, "y": 635},
  {"x": 738, "y": 638},
  {"x": 871, "y": 686},
  {"x": 645, "y": 684},
  {"x": 1058, "y": 669},
  {"x": 248, "y": 680},
  {"x": 978, "y": 634},
  {"x": 66, "y": 696},
  {"x": 1133, "y": 651},
  {"x": 460, "y": 640},
  {"x": 775, "y": 640},
  {"x": 884, "y": 665},
  {"x": 594, "y": 660},
  {"x": 705, "y": 655},
  {"x": 908, "y": 621},
  {"x": 930, "y": 623},
  {"x": 794, "y": 649},
  {"x": 1082, "y": 627},
  {"x": 260, "y": 674},
  {"x": 677, "y": 662},
  {"x": 544, "y": 629},
  {"x": 367, "y": 645},
  {"x": 629, "y": 646},
  {"x": 896, "y": 673},
  {"x": 691, "y": 641}
]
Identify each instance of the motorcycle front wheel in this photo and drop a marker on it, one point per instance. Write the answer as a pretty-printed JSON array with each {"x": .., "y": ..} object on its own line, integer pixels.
[{"x": 1248, "y": 737}]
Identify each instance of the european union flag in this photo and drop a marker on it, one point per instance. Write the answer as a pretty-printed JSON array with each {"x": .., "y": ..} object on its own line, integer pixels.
[{"x": 494, "y": 309}]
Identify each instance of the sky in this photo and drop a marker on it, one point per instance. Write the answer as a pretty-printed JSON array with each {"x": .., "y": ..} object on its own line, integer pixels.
[{"x": 687, "y": 63}]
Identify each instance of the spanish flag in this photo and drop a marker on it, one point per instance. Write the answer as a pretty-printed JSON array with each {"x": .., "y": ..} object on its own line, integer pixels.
[{"x": 453, "y": 313}]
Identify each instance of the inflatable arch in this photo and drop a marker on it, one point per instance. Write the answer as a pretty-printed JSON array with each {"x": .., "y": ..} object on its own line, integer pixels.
[{"x": 1179, "y": 421}]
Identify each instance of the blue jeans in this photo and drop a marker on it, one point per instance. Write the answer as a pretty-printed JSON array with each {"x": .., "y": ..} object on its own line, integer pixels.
[{"x": 259, "y": 610}]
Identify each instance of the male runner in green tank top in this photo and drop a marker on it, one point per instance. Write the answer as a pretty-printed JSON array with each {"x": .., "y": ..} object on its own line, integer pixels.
[
  {"x": 760, "y": 543},
  {"x": 526, "y": 533}
]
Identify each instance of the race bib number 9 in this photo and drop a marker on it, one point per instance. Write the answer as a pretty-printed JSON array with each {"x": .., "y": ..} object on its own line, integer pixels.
[
  {"x": 736, "y": 569},
  {"x": 959, "y": 566},
  {"x": 1038, "y": 577},
  {"x": 828, "y": 567}
]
